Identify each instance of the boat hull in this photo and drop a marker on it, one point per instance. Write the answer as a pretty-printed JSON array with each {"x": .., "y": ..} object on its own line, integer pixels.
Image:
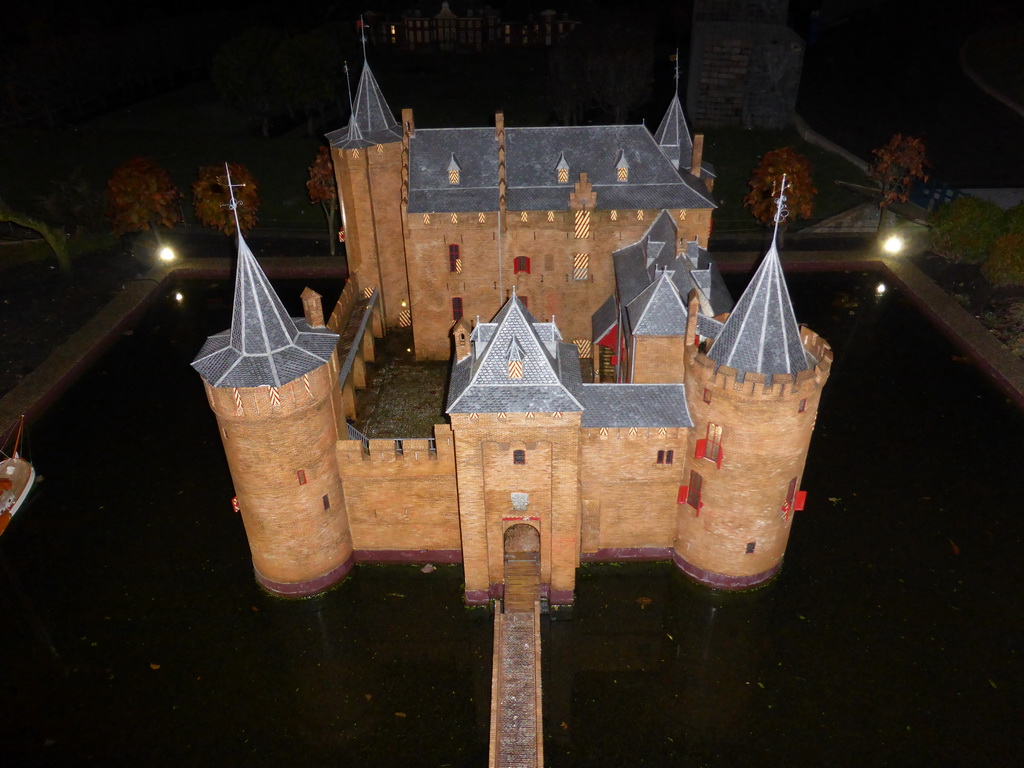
[{"x": 21, "y": 476}]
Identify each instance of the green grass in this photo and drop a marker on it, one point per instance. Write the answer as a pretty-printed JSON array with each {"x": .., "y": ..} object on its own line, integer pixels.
[
  {"x": 411, "y": 400},
  {"x": 735, "y": 152}
]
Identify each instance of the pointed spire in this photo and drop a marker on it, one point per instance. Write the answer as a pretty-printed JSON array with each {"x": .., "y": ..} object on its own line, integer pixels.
[
  {"x": 371, "y": 112},
  {"x": 264, "y": 346},
  {"x": 761, "y": 334},
  {"x": 674, "y": 137}
]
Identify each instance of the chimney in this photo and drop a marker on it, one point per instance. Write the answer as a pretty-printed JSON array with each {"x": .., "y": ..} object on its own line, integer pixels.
[
  {"x": 499, "y": 127},
  {"x": 312, "y": 308},
  {"x": 698, "y": 154},
  {"x": 408, "y": 124}
]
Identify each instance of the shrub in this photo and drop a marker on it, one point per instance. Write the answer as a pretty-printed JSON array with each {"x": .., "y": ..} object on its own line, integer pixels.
[
  {"x": 765, "y": 179},
  {"x": 1005, "y": 265},
  {"x": 1015, "y": 220},
  {"x": 211, "y": 197},
  {"x": 965, "y": 229}
]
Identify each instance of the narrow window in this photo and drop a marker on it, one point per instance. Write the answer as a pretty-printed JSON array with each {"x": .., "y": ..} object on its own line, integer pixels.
[
  {"x": 301, "y": 475},
  {"x": 453, "y": 175},
  {"x": 563, "y": 175},
  {"x": 669, "y": 456},
  {"x": 707, "y": 395},
  {"x": 457, "y": 308},
  {"x": 521, "y": 264},
  {"x": 803, "y": 406},
  {"x": 518, "y": 457},
  {"x": 581, "y": 266},
  {"x": 327, "y": 501},
  {"x": 714, "y": 442},
  {"x": 454, "y": 258},
  {"x": 751, "y": 546},
  {"x": 661, "y": 457},
  {"x": 693, "y": 493},
  {"x": 622, "y": 173}
]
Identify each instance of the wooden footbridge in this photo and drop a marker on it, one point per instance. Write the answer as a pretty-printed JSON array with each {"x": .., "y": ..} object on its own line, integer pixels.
[{"x": 517, "y": 732}]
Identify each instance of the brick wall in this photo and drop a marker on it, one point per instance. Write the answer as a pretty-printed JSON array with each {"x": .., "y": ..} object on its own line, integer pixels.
[
  {"x": 765, "y": 435},
  {"x": 268, "y": 442}
]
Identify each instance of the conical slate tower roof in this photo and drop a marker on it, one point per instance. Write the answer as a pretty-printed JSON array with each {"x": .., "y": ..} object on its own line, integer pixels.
[
  {"x": 264, "y": 346},
  {"x": 547, "y": 378},
  {"x": 371, "y": 122},
  {"x": 761, "y": 335},
  {"x": 674, "y": 137}
]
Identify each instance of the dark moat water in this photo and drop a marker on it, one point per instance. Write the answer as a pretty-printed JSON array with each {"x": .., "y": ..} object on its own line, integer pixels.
[{"x": 134, "y": 634}]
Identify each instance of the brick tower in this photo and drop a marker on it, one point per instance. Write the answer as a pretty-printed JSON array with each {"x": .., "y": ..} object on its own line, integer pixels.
[
  {"x": 752, "y": 386},
  {"x": 271, "y": 381},
  {"x": 368, "y": 159}
]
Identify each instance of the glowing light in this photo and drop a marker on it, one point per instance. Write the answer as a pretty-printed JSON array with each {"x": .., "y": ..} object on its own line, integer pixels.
[
  {"x": 167, "y": 254},
  {"x": 881, "y": 288},
  {"x": 893, "y": 244},
  {"x": 408, "y": 349},
  {"x": 179, "y": 297},
  {"x": 404, "y": 304}
]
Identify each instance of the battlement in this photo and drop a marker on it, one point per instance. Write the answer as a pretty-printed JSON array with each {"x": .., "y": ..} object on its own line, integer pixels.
[
  {"x": 349, "y": 296},
  {"x": 274, "y": 402},
  {"x": 712, "y": 375},
  {"x": 403, "y": 452}
]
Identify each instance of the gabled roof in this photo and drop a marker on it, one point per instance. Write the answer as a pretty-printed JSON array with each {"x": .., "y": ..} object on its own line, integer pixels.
[
  {"x": 264, "y": 346},
  {"x": 532, "y": 156},
  {"x": 761, "y": 335},
  {"x": 658, "y": 311},
  {"x": 674, "y": 137},
  {"x": 550, "y": 379},
  {"x": 371, "y": 121}
]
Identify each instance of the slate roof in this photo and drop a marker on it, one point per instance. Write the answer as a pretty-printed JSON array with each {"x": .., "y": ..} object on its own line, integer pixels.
[
  {"x": 761, "y": 334},
  {"x": 532, "y": 157},
  {"x": 674, "y": 137},
  {"x": 371, "y": 122},
  {"x": 658, "y": 311},
  {"x": 264, "y": 346},
  {"x": 635, "y": 405},
  {"x": 430, "y": 153},
  {"x": 550, "y": 380}
]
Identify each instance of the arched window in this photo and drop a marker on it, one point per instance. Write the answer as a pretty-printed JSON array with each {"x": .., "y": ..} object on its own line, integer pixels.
[
  {"x": 518, "y": 457},
  {"x": 521, "y": 264}
]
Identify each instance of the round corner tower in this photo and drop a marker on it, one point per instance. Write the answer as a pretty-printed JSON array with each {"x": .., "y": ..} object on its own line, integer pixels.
[
  {"x": 271, "y": 383},
  {"x": 752, "y": 392}
]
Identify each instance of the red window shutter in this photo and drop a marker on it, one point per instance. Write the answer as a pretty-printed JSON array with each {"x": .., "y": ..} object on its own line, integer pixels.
[
  {"x": 526, "y": 264},
  {"x": 696, "y": 339},
  {"x": 718, "y": 461},
  {"x": 702, "y": 446},
  {"x": 614, "y": 360},
  {"x": 684, "y": 491},
  {"x": 515, "y": 267},
  {"x": 798, "y": 502}
]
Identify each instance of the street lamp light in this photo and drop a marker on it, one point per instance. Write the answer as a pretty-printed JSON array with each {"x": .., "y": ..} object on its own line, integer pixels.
[{"x": 893, "y": 244}]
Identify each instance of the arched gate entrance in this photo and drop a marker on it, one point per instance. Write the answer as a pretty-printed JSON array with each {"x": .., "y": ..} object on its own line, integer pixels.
[{"x": 522, "y": 568}]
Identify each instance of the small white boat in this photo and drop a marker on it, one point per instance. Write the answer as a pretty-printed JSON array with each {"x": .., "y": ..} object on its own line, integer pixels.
[{"x": 17, "y": 476}]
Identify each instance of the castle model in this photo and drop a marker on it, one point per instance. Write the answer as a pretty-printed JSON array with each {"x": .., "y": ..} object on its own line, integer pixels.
[{"x": 682, "y": 437}]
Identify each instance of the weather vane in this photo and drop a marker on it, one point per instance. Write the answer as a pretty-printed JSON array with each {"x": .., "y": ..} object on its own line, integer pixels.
[
  {"x": 781, "y": 212},
  {"x": 233, "y": 203}
]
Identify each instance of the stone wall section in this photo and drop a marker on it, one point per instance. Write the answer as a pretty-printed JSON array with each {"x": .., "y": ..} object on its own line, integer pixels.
[
  {"x": 401, "y": 502},
  {"x": 629, "y": 499},
  {"x": 658, "y": 359}
]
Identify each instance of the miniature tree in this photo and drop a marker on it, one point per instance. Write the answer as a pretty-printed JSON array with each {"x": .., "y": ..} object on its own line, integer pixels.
[
  {"x": 210, "y": 197},
  {"x": 141, "y": 196},
  {"x": 896, "y": 166},
  {"x": 764, "y": 186},
  {"x": 324, "y": 190}
]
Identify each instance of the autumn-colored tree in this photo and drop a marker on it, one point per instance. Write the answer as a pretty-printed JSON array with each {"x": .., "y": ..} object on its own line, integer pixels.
[
  {"x": 766, "y": 178},
  {"x": 211, "y": 198},
  {"x": 141, "y": 196},
  {"x": 324, "y": 190},
  {"x": 895, "y": 167}
]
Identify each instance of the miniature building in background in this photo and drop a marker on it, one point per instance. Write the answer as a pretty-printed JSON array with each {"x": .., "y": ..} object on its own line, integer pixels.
[{"x": 692, "y": 450}]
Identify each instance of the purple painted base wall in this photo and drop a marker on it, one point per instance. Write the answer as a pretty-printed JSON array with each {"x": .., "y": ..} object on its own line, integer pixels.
[
  {"x": 625, "y": 554},
  {"x": 408, "y": 555},
  {"x": 721, "y": 581},
  {"x": 306, "y": 588}
]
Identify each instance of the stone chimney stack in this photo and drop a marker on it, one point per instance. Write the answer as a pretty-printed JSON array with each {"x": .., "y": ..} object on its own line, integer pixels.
[
  {"x": 698, "y": 154},
  {"x": 312, "y": 308}
]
